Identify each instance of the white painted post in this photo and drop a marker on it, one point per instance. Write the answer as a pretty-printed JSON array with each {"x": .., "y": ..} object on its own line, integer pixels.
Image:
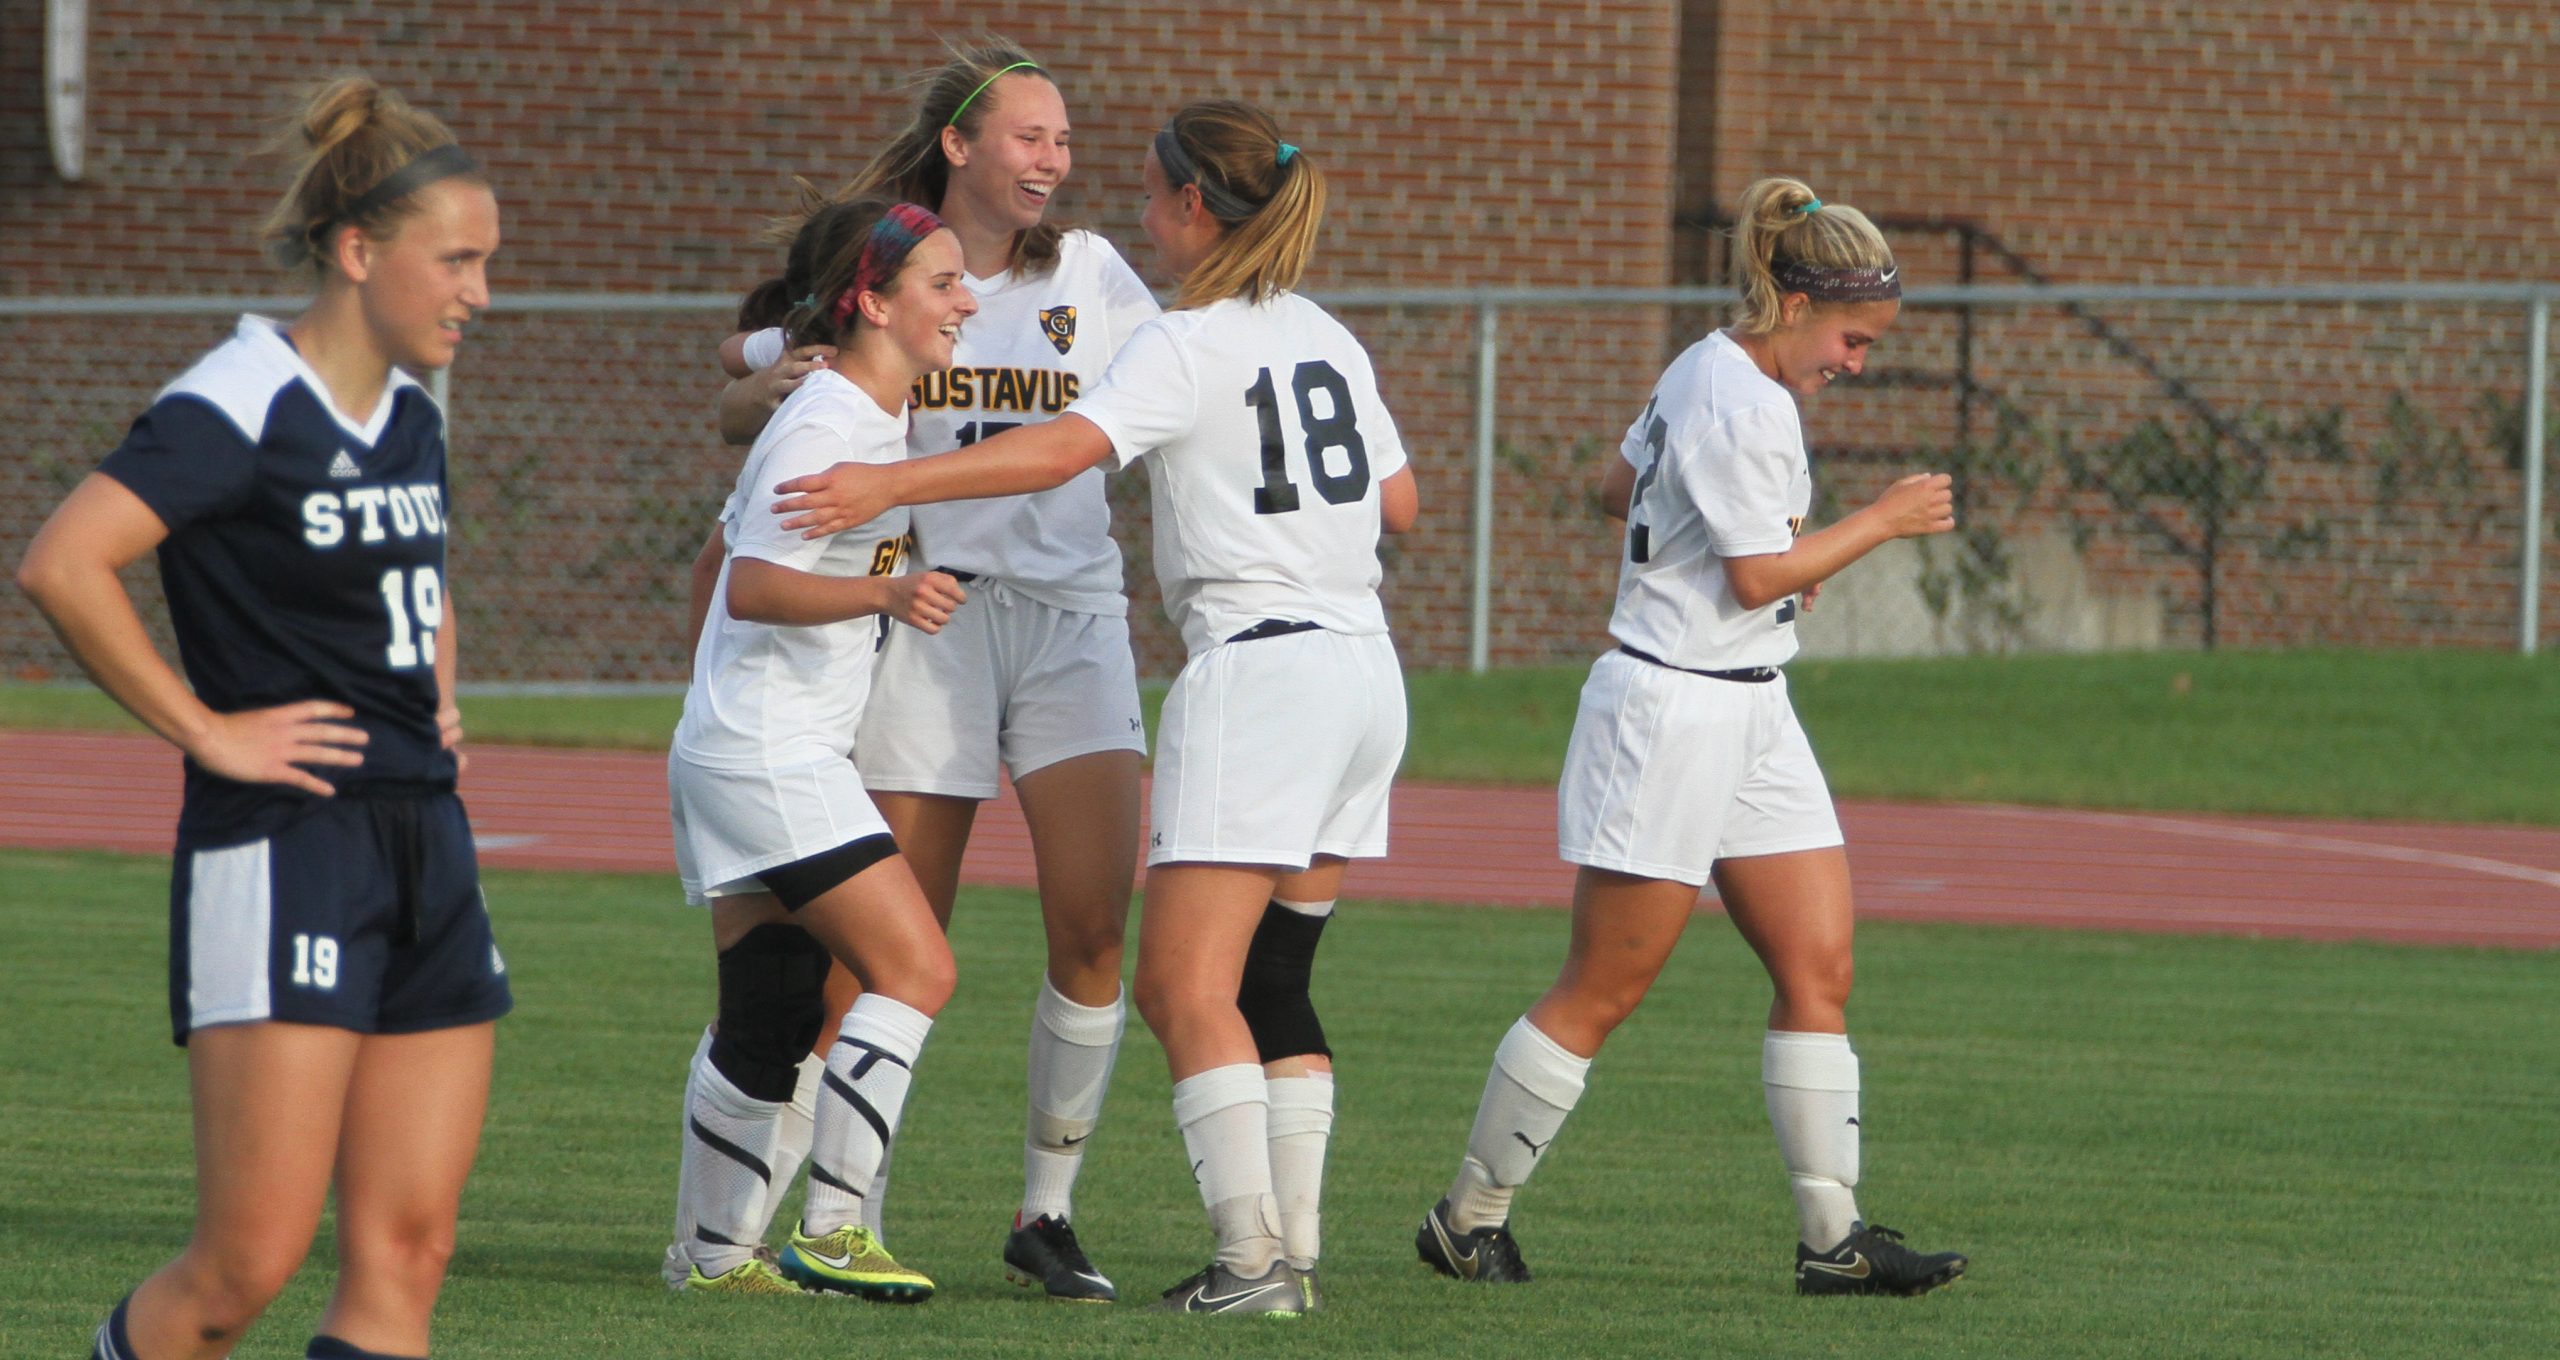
[{"x": 1488, "y": 382}]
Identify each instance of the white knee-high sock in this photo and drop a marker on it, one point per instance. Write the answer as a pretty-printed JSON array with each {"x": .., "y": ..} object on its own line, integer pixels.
[
  {"x": 1072, "y": 1051},
  {"x": 792, "y": 1132},
  {"x": 679, "y": 1256},
  {"x": 1225, "y": 1114},
  {"x": 1812, "y": 1083},
  {"x": 1534, "y": 1084},
  {"x": 726, "y": 1173},
  {"x": 875, "y": 1206},
  {"x": 1301, "y": 1127},
  {"x": 865, "y": 1090}
]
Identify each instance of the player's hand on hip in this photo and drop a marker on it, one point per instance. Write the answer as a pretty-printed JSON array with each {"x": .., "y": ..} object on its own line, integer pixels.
[
  {"x": 926, "y": 600},
  {"x": 832, "y": 501},
  {"x": 1919, "y": 505},
  {"x": 449, "y": 734},
  {"x": 271, "y": 745}
]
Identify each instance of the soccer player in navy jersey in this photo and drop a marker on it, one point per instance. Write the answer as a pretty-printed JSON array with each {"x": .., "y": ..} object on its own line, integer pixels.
[{"x": 332, "y": 972}]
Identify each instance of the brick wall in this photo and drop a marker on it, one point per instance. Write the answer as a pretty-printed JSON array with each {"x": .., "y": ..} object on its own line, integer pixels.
[
  {"x": 636, "y": 148},
  {"x": 2183, "y": 143}
]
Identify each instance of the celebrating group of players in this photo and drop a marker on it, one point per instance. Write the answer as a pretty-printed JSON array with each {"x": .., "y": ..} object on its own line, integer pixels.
[{"x": 913, "y": 585}]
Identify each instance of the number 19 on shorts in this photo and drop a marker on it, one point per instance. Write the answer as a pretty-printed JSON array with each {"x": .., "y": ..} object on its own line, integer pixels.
[{"x": 315, "y": 961}]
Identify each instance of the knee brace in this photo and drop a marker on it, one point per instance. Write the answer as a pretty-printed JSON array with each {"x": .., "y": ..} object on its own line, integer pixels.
[
  {"x": 1274, "y": 994},
  {"x": 773, "y": 999}
]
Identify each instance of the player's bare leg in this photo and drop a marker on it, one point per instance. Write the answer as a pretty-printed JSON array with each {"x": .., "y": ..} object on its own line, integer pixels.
[
  {"x": 267, "y": 1102},
  {"x": 1192, "y": 942},
  {"x": 1796, "y": 913},
  {"x": 1624, "y": 929},
  {"x": 1083, "y": 817},
  {"x": 879, "y": 925},
  {"x": 932, "y": 832},
  {"x": 410, "y": 1132}
]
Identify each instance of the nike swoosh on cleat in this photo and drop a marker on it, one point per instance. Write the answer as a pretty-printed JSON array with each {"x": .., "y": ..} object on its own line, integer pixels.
[
  {"x": 830, "y": 1262},
  {"x": 1202, "y": 1302},
  {"x": 1855, "y": 1269},
  {"x": 1465, "y": 1261}
]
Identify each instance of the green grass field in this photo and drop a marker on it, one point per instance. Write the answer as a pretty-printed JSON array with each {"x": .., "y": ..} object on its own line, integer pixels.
[
  {"x": 2444, "y": 736},
  {"x": 2150, "y": 1145}
]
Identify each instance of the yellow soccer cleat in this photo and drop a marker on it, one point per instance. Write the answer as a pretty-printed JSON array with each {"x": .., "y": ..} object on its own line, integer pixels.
[
  {"x": 755, "y": 1275},
  {"x": 851, "y": 1260}
]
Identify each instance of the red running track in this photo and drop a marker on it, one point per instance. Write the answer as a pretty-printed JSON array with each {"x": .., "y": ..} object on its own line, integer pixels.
[{"x": 540, "y": 808}]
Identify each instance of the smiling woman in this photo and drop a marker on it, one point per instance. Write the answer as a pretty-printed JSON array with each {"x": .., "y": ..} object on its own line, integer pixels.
[
  {"x": 332, "y": 973},
  {"x": 1687, "y": 763},
  {"x": 774, "y": 830},
  {"x": 1035, "y": 677}
]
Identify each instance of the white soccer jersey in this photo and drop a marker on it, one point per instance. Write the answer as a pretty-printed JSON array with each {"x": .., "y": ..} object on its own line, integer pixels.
[
  {"x": 770, "y": 697},
  {"x": 1269, "y": 442},
  {"x": 1720, "y": 472},
  {"x": 1037, "y": 342}
]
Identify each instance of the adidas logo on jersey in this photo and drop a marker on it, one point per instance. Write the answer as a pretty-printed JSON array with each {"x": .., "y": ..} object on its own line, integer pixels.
[{"x": 343, "y": 466}]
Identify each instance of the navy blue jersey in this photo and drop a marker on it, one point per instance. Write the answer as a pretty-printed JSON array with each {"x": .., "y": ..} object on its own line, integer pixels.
[{"x": 305, "y": 560}]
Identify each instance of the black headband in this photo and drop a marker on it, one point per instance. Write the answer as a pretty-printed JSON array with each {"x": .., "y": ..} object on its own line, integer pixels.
[
  {"x": 444, "y": 162},
  {"x": 1863, "y": 283},
  {"x": 1224, "y": 204}
]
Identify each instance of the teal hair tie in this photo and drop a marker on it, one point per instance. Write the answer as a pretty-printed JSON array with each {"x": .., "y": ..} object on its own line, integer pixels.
[
  {"x": 810, "y": 301},
  {"x": 1810, "y": 209},
  {"x": 954, "y": 120},
  {"x": 1288, "y": 153}
]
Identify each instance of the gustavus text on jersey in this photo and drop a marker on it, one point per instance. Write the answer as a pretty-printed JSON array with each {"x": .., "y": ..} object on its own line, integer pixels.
[{"x": 997, "y": 389}]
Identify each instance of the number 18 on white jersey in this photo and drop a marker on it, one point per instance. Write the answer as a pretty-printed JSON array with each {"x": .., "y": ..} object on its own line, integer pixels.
[{"x": 1269, "y": 442}]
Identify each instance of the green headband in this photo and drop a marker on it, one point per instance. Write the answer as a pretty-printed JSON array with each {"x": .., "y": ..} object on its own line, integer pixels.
[{"x": 954, "y": 120}]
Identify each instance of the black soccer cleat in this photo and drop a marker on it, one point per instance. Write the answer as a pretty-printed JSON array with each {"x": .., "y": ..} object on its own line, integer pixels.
[
  {"x": 1484, "y": 1255},
  {"x": 1044, "y": 1252},
  {"x": 1873, "y": 1261},
  {"x": 1216, "y": 1289}
]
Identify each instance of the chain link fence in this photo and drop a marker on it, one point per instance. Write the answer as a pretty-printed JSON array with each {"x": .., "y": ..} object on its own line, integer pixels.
[{"x": 2136, "y": 467}]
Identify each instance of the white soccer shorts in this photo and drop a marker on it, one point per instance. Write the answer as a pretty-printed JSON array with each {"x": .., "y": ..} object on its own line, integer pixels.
[
  {"x": 734, "y": 824},
  {"x": 1008, "y": 680},
  {"x": 1277, "y": 750},
  {"x": 1669, "y": 772}
]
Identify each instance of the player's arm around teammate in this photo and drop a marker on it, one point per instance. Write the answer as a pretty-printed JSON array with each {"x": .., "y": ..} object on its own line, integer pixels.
[
  {"x": 333, "y": 976},
  {"x": 773, "y": 829},
  {"x": 1687, "y": 763},
  {"x": 1275, "y": 463},
  {"x": 1037, "y": 678}
]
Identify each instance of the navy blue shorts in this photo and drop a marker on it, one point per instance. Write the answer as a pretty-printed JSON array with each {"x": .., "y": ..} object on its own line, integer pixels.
[{"x": 364, "y": 915}]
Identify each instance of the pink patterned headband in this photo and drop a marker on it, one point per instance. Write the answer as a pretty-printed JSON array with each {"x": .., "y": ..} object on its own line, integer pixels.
[{"x": 883, "y": 252}]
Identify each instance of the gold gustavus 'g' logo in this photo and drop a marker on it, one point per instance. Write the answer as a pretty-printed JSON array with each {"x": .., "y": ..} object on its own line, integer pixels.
[{"x": 1059, "y": 324}]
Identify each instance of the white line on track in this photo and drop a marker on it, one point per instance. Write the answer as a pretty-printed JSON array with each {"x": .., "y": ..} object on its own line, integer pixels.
[{"x": 2293, "y": 840}]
